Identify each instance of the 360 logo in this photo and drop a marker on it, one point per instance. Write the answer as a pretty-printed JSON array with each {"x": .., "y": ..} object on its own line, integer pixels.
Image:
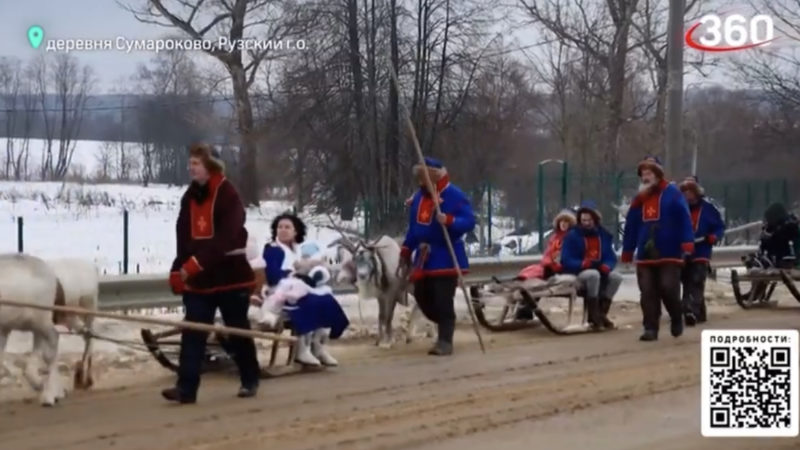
[{"x": 735, "y": 32}]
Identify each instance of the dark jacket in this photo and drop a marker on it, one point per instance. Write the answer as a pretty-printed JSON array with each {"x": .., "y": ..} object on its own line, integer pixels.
[
  {"x": 211, "y": 238},
  {"x": 779, "y": 240}
]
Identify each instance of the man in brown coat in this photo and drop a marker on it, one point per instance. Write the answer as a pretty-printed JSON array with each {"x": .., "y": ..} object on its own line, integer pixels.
[{"x": 211, "y": 271}]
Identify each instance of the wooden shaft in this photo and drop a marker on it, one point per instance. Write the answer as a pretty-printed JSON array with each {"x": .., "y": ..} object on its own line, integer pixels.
[
  {"x": 182, "y": 324},
  {"x": 431, "y": 188}
]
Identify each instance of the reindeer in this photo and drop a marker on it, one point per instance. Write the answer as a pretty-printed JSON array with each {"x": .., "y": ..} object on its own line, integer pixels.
[{"x": 375, "y": 271}]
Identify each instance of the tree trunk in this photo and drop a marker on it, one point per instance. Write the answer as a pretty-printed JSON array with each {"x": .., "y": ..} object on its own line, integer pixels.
[{"x": 248, "y": 184}]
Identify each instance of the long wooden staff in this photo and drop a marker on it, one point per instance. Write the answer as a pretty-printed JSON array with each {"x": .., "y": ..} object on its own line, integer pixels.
[
  {"x": 434, "y": 193},
  {"x": 182, "y": 324}
]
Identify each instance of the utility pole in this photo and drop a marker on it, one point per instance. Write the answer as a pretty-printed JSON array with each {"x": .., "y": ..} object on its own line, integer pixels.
[{"x": 674, "y": 125}]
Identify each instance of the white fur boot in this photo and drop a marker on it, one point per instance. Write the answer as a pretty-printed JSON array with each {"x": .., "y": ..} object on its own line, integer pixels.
[
  {"x": 320, "y": 338},
  {"x": 304, "y": 355}
]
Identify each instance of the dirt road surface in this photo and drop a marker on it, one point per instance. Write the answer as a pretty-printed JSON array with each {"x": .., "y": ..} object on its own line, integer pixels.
[{"x": 530, "y": 390}]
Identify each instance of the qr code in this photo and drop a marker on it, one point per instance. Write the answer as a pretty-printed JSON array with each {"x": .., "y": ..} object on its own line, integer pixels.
[{"x": 750, "y": 383}]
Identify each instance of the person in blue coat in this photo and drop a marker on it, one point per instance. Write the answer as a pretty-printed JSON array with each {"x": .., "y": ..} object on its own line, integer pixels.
[
  {"x": 435, "y": 277},
  {"x": 658, "y": 227},
  {"x": 588, "y": 252},
  {"x": 708, "y": 228},
  {"x": 280, "y": 254}
]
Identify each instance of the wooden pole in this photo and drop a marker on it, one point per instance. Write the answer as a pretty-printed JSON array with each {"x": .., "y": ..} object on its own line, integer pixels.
[
  {"x": 434, "y": 194},
  {"x": 182, "y": 324}
]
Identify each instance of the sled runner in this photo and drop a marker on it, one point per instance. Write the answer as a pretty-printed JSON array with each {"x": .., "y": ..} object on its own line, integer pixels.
[
  {"x": 763, "y": 277},
  {"x": 516, "y": 294},
  {"x": 165, "y": 345}
]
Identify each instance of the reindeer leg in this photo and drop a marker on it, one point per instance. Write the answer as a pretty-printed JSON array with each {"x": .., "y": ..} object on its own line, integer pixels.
[
  {"x": 53, "y": 389},
  {"x": 387, "y": 324},
  {"x": 31, "y": 370},
  {"x": 381, "y": 321},
  {"x": 83, "y": 371},
  {"x": 413, "y": 322}
]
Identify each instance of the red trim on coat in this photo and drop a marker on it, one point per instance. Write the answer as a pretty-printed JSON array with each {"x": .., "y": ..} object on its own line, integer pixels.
[
  {"x": 655, "y": 262},
  {"x": 425, "y": 210},
  {"x": 192, "y": 266},
  {"x": 592, "y": 250},
  {"x": 696, "y": 212},
  {"x": 201, "y": 216},
  {"x": 227, "y": 287}
]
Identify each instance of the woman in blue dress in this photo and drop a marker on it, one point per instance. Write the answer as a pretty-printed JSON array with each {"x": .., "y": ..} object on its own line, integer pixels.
[{"x": 316, "y": 317}]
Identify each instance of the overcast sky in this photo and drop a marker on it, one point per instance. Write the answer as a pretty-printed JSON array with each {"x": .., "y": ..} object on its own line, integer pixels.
[{"x": 105, "y": 19}]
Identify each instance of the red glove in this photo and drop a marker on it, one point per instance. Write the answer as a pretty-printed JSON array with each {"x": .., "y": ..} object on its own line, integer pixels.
[
  {"x": 627, "y": 257},
  {"x": 586, "y": 264},
  {"x": 557, "y": 268},
  {"x": 176, "y": 283},
  {"x": 687, "y": 247},
  {"x": 605, "y": 269},
  {"x": 711, "y": 239}
]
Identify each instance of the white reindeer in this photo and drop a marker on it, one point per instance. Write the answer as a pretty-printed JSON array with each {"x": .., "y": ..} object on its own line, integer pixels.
[
  {"x": 80, "y": 280},
  {"x": 25, "y": 278},
  {"x": 374, "y": 272}
]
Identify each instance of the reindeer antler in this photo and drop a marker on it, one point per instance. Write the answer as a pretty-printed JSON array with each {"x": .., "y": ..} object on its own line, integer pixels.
[{"x": 344, "y": 240}]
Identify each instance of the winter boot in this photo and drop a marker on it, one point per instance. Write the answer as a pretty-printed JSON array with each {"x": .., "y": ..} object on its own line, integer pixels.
[
  {"x": 605, "y": 307},
  {"x": 444, "y": 341},
  {"x": 649, "y": 335},
  {"x": 690, "y": 319},
  {"x": 304, "y": 355},
  {"x": 676, "y": 327},
  {"x": 320, "y": 338},
  {"x": 593, "y": 310}
]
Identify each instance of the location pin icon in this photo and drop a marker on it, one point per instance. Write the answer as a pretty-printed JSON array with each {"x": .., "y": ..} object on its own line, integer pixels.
[{"x": 35, "y": 36}]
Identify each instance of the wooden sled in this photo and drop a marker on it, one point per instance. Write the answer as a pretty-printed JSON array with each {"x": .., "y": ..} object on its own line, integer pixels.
[
  {"x": 762, "y": 285},
  {"x": 521, "y": 293},
  {"x": 219, "y": 356}
]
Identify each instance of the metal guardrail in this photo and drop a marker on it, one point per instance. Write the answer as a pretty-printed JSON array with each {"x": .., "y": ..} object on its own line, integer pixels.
[{"x": 122, "y": 292}]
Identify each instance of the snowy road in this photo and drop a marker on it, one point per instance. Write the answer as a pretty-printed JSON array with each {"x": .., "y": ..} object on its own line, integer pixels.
[{"x": 530, "y": 390}]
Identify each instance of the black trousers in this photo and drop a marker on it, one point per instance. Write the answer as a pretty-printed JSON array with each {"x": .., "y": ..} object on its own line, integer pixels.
[
  {"x": 693, "y": 278},
  {"x": 201, "y": 308},
  {"x": 659, "y": 284},
  {"x": 436, "y": 298}
]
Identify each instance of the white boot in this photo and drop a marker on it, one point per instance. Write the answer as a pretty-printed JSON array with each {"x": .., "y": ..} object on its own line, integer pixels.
[
  {"x": 320, "y": 338},
  {"x": 304, "y": 355}
]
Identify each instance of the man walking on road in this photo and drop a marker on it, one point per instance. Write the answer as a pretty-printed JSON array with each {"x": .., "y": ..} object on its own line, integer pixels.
[
  {"x": 659, "y": 228},
  {"x": 708, "y": 229}
]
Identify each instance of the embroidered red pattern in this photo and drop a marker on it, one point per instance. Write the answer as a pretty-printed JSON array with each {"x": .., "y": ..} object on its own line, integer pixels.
[
  {"x": 201, "y": 216},
  {"x": 651, "y": 209},
  {"x": 592, "y": 248},
  {"x": 425, "y": 210}
]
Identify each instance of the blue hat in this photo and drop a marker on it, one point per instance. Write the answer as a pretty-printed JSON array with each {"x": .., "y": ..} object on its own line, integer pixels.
[
  {"x": 591, "y": 207},
  {"x": 433, "y": 163},
  {"x": 652, "y": 163},
  {"x": 435, "y": 168}
]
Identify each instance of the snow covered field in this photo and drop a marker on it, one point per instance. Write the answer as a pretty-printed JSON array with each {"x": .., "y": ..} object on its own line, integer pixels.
[{"x": 71, "y": 219}]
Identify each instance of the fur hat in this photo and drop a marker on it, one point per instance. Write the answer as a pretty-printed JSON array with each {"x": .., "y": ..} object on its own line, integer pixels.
[
  {"x": 564, "y": 214},
  {"x": 691, "y": 183},
  {"x": 652, "y": 163},
  {"x": 590, "y": 207},
  {"x": 209, "y": 155},
  {"x": 436, "y": 169}
]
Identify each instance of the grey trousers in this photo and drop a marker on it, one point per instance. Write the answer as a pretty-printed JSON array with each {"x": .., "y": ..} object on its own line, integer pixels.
[{"x": 591, "y": 281}]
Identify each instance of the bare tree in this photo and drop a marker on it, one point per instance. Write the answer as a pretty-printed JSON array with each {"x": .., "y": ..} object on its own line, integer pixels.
[
  {"x": 72, "y": 87},
  {"x": 239, "y": 21},
  {"x": 602, "y": 32}
]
